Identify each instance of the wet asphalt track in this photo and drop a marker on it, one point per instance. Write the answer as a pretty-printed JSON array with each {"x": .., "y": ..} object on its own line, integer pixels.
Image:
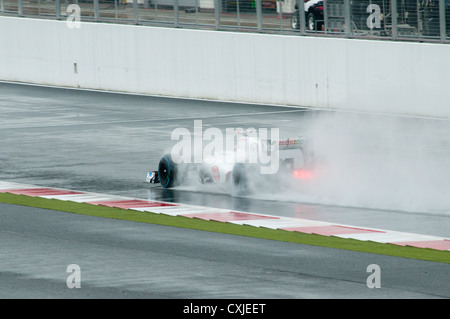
[
  {"x": 120, "y": 259},
  {"x": 105, "y": 142}
]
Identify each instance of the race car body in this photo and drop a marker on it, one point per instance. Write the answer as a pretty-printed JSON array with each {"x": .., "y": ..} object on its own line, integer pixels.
[{"x": 252, "y": 160}]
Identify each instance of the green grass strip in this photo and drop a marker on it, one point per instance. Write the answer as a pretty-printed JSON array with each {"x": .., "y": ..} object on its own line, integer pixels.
[{"x": 228, "y": 228}]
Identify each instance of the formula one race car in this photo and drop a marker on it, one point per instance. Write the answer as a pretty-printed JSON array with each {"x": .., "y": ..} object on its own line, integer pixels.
[{"x": 252, "y": 161}]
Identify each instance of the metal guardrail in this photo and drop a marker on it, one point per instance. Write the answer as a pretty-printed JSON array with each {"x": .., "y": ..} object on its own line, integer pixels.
[{"x": 406, "y": 20}]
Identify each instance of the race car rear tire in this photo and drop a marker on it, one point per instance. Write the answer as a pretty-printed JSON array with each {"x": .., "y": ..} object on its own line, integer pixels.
[
  {"x": 167, "y": 171},
  {"x": 240, "y": 179}
]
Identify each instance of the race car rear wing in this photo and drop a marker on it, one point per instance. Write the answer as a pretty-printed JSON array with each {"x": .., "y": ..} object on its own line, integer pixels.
[
  {"x": 288, "y": 144},
  {"x": 301, "y": 143},
  {"x": 295, "y": 143}
]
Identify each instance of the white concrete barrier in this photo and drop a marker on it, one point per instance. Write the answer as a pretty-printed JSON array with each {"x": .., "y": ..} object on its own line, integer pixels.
[{"x": 359, "y": 75}]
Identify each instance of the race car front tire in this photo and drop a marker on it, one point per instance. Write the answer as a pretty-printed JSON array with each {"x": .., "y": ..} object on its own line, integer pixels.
[{"x": 167, "y": 171}]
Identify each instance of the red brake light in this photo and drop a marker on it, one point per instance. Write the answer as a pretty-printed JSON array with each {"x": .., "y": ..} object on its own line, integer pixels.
[{"x": 302, "y": 174}]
